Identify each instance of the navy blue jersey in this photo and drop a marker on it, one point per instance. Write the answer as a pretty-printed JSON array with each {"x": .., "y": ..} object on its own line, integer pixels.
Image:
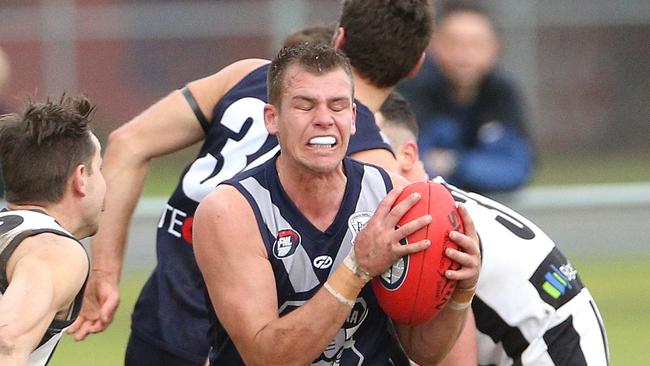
[
  {"x": 303, "y": 257},
  {"x": 171, "y": 312}
]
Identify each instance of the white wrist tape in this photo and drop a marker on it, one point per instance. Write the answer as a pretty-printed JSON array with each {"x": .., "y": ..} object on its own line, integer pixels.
[
  {"x": 459, "y": 305},
  {"x": 351, "y": 262},
  {"x": 338, "y": 296}
]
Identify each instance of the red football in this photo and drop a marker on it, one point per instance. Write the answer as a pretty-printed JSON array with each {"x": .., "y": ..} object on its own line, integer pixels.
[{"x": 415, "y": 288}]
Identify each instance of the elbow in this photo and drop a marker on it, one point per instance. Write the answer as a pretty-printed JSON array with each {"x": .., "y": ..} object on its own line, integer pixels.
[{"x": 123, "y": 145}]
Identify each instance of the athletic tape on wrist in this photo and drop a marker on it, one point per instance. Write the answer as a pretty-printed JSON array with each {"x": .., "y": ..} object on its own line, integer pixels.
[
  {"x": 459, "y": 306},
  {"x": 351, "y": 262},
  {"x": 470, "y": 289},
  {"x": 338, "y": 296}
]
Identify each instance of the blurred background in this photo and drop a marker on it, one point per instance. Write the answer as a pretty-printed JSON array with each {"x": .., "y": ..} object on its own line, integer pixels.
[{"x": 582, "y": 65}]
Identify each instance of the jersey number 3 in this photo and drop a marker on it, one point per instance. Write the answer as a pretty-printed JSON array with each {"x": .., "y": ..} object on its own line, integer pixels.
[{"x": 244, "y": 121}]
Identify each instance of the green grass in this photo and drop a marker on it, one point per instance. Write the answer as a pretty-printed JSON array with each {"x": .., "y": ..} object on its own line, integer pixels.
[
  {"x": 107, "y": 348},
  {"x": 561, "y": 169},
  {"x": 622, "y": 292},
  {"x": 619, "y": 285}
]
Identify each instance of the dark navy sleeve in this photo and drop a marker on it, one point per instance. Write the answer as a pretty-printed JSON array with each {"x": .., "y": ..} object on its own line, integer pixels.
[{"x": 368, "y": 136}]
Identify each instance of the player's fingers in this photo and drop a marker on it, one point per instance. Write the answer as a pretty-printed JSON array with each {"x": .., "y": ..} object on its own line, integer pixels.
[
  {"x": 81, "y": 333},
  {"x": 411, "y": 227},
  {"x": 108, "y": 309},
  {"x": 401, "y": 250},
  {"x": 468, "y": 223},
  {"x": 466, "y": 260},
  {"x": 88, "y": 327},
  {"x": 387, "y": 202},
  {"x": 467, "y": 243},
  {"x": 96, "y": 326},
  {"x": 464, "y": 273},
  {"x": 402, "y": 207},
  {"x": 75, "y": 326}
]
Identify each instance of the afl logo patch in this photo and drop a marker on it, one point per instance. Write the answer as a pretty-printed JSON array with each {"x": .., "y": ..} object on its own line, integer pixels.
[
  {"x": 286, "y": 243},
  {"x": 393, "y": 278}
]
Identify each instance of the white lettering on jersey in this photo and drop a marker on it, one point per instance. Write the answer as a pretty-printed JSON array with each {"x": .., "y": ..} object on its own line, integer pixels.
[
  {"x": 175, "y": 225},
  {"x": 199, "y": 179}
]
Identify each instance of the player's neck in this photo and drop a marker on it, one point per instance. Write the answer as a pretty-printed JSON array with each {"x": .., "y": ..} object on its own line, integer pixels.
[
  {"x": 464, "y": 95},
  {"x": 317, "y": 196},
  {"x": 368, "y": 94},
  {"x": 57, "y": 211}
]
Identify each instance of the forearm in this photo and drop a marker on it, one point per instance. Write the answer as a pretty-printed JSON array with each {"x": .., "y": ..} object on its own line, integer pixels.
[
  {"x": 125, "y": 175},
  {"x": 300, "y": 336},
  {"x": 429, "y": 343}
]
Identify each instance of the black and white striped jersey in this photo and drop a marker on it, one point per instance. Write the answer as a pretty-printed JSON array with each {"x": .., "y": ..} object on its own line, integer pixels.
[
  {"x": 302, "y": 258},
  {"x": 15, "y": 226},
  {"x": 531, "y": 307}
]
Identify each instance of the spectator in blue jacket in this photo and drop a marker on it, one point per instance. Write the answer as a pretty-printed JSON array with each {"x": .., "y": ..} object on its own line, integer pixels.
[{"x": 472, "y": 126}]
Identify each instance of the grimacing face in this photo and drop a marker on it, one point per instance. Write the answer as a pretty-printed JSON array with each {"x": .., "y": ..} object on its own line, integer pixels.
[
  {"x": 465, "y": 47},
  {"x": 316, "y": 118}
]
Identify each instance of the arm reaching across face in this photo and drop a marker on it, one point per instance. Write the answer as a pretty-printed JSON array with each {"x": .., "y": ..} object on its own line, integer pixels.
[{"x": 166, "y": 127}]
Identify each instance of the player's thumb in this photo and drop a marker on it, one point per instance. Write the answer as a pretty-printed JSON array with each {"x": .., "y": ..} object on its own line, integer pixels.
[{"x": 108, "y": 308}]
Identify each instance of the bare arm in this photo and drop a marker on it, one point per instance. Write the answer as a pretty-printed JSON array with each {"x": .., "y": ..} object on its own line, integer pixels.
[
  {"x": 45, "y": 274},
  {"x": 429, "y": 343},
  {"x": 234, "y": 265},
  {"x": 166, "y": 127},
  {"x": 464, "y": 352}
]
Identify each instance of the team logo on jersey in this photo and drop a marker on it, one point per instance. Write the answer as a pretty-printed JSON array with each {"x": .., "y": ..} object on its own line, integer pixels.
[
  {"x": 323, "y": 262},
  {"x": 357, "y": 222},
  {"x": 556, "y": 280},
  {"x": 393, "y": 278},
  {"x": 286, "y": 243},
  {"x": 344, "y": 339}
]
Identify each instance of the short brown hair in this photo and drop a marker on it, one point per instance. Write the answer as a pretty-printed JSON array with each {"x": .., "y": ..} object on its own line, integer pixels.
[
  {"x": 315, "y": 34},
  {"x": 40, "y": 148},
  {"x": 384, "y": 39},
  {"x": 397, "y": 113},
  {"x": 316, "y": 59}
]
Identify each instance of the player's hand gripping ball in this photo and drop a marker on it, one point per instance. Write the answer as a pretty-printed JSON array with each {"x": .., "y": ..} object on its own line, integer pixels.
[{"x": 415, "y": 288}]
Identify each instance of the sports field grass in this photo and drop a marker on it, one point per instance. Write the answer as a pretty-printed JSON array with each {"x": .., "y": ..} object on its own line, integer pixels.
[{"x": 620, "y": 286}]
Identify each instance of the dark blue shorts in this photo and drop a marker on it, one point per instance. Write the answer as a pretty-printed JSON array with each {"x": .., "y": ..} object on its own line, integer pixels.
[{"x": 142, "y": 353}]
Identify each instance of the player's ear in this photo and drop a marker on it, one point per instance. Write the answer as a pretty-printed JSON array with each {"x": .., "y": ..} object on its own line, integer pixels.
[
  {"x": 78, "y": 180},
  {"x": 353, "y": 128},
  {"x": 339, "y": 38},
  {"x": 409, "y": 154},
  {"x": 271, "y": 118},
  {"x": 417, "y": 66}
]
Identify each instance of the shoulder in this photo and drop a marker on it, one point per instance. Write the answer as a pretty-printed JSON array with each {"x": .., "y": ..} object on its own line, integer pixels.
[
  {"x": 51, "y": 261},
  {"x": 211, "y": 88},
  {"x": 54, "y": 250}
]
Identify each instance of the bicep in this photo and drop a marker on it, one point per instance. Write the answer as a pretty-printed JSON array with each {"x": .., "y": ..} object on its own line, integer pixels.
[
  {"x": 167, "y": 126},
  {"x": 232, "y": 258}
]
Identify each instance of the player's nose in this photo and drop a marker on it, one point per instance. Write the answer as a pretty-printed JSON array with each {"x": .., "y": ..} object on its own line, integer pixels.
[{"x": 323, "y": 116}]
